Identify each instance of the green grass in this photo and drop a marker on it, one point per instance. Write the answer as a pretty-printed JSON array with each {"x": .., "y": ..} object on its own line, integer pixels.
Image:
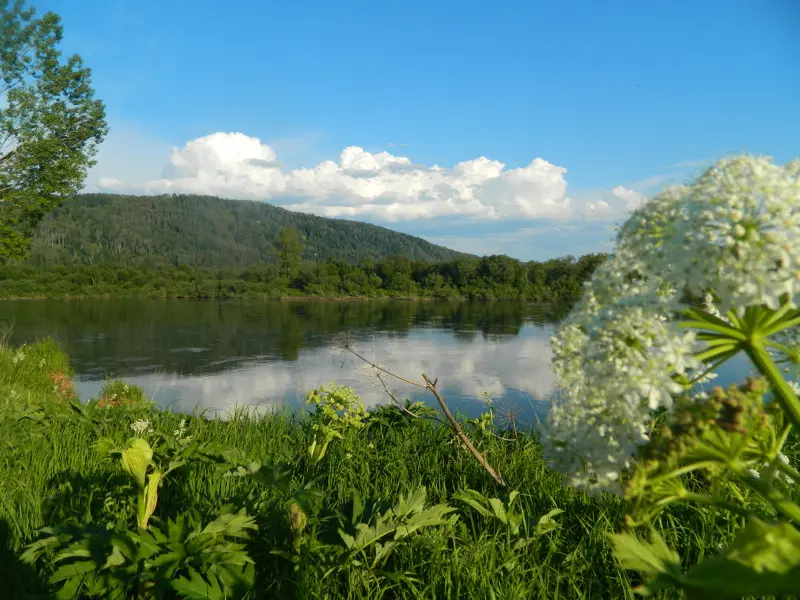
[{"x": 52, "y": 474}]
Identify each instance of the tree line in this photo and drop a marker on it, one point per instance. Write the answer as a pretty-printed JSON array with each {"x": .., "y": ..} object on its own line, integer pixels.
[{"x": 486, "y": 278}]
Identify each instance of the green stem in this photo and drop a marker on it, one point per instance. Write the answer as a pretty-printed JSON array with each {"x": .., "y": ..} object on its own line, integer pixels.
[
  {"x": 715, "y": 351},
  {"x": 787, "y": 429},
  {"x": 771, "y": 318},
  {"x": 782, "y": 504},
  {"x": 787, "y": 470},
  {"x": 683, "y": 471},
  {"x": 734, "y": 319},
  {"x": 780, "y": 326},
  {"x": 705, "y": 316},
  {"x": 718, "y": 502},
  {"x": 778, "y": 346},
  {"x": 783, "y": 393},
  {"x": 726, "y": 331}
]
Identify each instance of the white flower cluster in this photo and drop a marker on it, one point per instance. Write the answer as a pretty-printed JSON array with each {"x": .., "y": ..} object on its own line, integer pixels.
[
  {"x": 734, "y": 231},
  {"x": 140, "y": 426},
  {"x": 180, "y": 432}
]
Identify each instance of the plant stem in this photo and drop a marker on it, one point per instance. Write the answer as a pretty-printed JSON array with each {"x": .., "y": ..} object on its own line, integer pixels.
[
  {"x": 718, "y": 502},
  {"x": 783, "y": 393},
  {"x": 782, "y": 504},
  {"x": 705, "y": 325},
  {"x": 787, "y": 470}
]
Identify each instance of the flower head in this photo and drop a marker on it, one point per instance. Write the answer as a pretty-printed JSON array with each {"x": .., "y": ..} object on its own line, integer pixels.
[
  {"x": 140, "y": 426},
  {"x": 736, "y": 232}
]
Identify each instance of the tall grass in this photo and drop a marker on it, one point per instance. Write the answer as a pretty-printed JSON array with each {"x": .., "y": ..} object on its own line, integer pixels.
[{"x": 52, "y": 474}]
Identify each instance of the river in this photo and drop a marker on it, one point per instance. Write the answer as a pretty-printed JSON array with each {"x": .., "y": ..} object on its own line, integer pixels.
[{"x": 215, "y": 356}]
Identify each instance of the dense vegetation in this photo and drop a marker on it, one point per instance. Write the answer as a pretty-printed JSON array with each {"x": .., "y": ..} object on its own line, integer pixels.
[
  {"x": 309, "y": 521},
  {"x": 493, "y": 277},
  {"x": 50, "y": 123},
  {"x": 203, "y": 231}
]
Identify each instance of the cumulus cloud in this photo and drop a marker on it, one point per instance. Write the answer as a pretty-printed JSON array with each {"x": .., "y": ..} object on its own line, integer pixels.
[
  {"x": 610, "y": 204},
  {"x": 360, "y": 184}
]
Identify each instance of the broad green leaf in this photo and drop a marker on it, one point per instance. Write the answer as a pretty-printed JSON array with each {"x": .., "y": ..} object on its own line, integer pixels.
[
  {"x": 473, "y": 499},
  {"x": 136, "y": 457},
  {"x": 654, "y": 560},
  {"x": 547, "y": 523},
  {"x": 197, "y": 588},
  {"x": 69, "y": 590},
  {"x": 499, "y": 509},
  {"x": 764, "y": 559},
  {"x": 413, "y": 502},
  {"x": 71, "y": 570}
]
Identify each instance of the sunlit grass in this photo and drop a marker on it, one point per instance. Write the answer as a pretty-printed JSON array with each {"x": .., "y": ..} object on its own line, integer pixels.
[{"x": 52, "y": 474}]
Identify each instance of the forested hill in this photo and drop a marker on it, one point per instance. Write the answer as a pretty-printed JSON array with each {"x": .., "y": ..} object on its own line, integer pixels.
[{"x": 205, "y": 231}]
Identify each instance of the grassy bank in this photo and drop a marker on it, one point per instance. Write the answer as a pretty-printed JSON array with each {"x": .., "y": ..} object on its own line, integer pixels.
[{"x": 56, "y": 469}]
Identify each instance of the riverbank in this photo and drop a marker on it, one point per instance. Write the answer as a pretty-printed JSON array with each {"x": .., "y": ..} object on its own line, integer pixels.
[{"x": 307, "y": 505}]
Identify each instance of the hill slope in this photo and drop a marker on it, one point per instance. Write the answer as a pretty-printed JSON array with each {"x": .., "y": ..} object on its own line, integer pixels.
[{"x": 205, "y": 231}]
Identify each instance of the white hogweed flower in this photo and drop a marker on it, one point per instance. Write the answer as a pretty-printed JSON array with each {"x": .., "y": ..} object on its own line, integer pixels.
[
  {"x": 740, "y": 233},
  {"x": 615, "y": 363},
  {"x": 141, "y": 426},
  {"x": 181, "y": 430},
  {"x": 735, "y": 231}
]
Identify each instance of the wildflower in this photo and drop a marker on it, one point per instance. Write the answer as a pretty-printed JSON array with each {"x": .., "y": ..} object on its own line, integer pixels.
[
  {"x": 140, "y": 426},
  {"x": 735, "y": 231},
  {"x": 19, "y": 356},
  {"x": 348, "y": 456},
  {"x": 180, "y": 432}
]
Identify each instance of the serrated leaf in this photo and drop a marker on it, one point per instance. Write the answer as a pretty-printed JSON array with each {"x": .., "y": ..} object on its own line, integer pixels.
[
  {"x": 197, "y": 588},
  {"x": 349, "y": 540},
  {"x": 413, "y": 502},
  {"x": 71, "y": 570},
  {"x": 764, "y": 559},
  {"x": 655, "y": 560},
  {"x": 647, "y": 558}
]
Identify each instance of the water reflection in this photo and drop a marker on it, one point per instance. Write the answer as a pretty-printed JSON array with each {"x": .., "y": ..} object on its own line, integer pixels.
[{"x": 217, "y": 356}]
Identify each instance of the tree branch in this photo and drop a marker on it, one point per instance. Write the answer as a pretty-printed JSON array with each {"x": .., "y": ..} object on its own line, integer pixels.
[
  {"x": 460, "y": 433},
  {"x": 431, "y": 387}
]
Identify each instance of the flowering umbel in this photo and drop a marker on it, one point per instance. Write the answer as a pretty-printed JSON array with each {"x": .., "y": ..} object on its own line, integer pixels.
[{"x": 623, "y": 352}]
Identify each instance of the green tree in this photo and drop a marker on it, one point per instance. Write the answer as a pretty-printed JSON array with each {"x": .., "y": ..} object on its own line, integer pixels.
[
  {"x": 50, "y": 123},
  {"x": 289, "y": 247}
]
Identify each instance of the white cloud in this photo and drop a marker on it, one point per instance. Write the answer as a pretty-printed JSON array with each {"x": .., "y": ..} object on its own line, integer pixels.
[{"x": 360, "y": 183}]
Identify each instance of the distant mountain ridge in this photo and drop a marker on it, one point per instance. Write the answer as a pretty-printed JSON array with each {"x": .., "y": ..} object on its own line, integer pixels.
[{"x": 205, "y": 231}]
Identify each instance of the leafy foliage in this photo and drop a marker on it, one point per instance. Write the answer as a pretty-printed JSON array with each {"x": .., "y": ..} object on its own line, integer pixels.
[
  {"x": 336, "y": 409},
  {"x": 50, "y": 123},
  {"x": 487, "y": 278}
]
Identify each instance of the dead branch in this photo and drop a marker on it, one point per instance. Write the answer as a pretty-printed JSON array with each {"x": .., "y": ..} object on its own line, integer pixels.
[
  {"x": 460, "y": 433},
  {"x": 431, "y": 386}
]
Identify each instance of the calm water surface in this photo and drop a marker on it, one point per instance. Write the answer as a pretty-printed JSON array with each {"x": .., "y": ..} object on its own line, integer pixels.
[{"x": 218, "y": 355}]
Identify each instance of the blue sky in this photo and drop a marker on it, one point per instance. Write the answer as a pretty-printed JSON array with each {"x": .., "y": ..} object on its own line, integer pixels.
[{"x": 614, "y": 98}]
